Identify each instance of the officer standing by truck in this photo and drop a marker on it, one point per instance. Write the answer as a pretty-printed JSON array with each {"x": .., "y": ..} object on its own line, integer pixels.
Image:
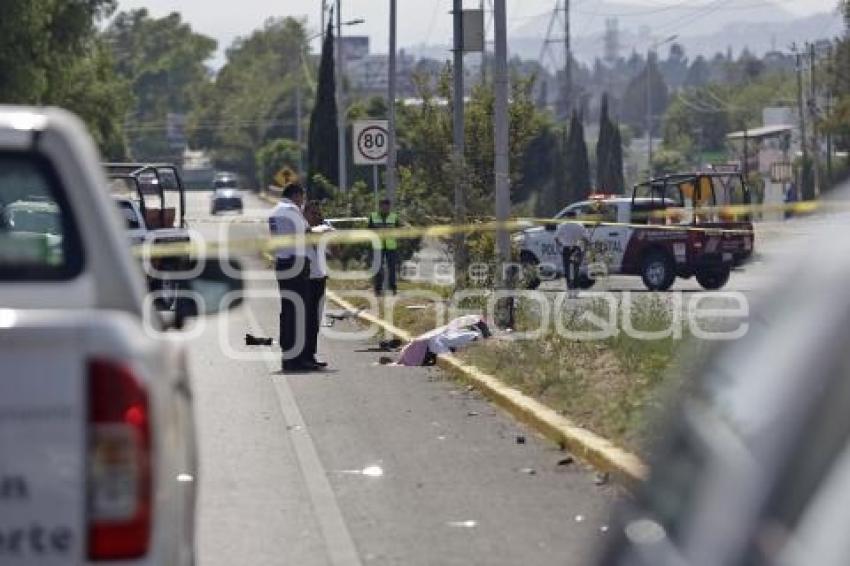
[
  {"x": 384, "y": 218},
  {"x": 572, "y": 236}
]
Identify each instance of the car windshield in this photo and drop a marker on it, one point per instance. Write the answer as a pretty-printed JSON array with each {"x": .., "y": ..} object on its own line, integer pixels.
[
  {"x": 226, "y": 184},
  {"x": 36, "y": 235}
]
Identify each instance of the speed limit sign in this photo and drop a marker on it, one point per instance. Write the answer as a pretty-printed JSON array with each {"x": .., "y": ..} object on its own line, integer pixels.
[{"x": 371, "y": 142}]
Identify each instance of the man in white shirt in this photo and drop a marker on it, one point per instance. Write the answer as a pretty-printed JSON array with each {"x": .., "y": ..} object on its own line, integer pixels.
[
  {"x": 571, "y": 236},
  {"x": 292, "y": 268},
  {"x": 318, "y": 280}
]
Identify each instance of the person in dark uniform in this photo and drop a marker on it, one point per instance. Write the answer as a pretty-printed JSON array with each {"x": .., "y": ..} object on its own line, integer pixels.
[
  {"x": 318, "y": 280},
  {"x": 292, "y": 269},
  {"x": 382, "y": 219}
]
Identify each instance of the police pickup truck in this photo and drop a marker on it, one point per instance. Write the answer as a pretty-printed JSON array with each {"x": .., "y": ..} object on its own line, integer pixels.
[
  {"x": 97, "y": 445},
  {"x": 673, "y": 226}
]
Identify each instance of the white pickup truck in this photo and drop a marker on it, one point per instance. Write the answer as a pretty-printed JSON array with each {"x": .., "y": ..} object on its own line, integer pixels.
[{"x": 97, "y": 445}]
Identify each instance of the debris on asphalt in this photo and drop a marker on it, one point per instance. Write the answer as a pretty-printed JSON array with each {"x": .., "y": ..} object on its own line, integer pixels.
[
  {"x": 529, "y": 471},
  {"x": 343, "y": 314},
  {"x": 390, "y": 345},
  {"x": 468, "y": 524},
  {"x": 520, "y": 439},
  {"x": 602, "y": 479},
  {"x": 566, "y": 461},
  {"x": 604, "y": 528},
  {"x": 472, "y": 414},
  {"x": 470, "y": 388},
  {"x": 251, "y": 340},
  {"x": 293, "y": 427},
  {"x": 385, "y": 360},
  {"x": 579, "y": 518}
]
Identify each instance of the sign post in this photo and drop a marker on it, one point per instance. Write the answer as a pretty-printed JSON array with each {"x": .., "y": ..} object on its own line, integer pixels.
[{"x": 371, "y": 146}]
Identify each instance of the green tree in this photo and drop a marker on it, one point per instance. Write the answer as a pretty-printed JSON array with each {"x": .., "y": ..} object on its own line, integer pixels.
[
  {"x": 577, "y": 170},
  {"x": 51, "y": 54},
  {"x": 322, "y": 146},
  {"x": 252, "y": 99},
  {"x": 275, "y": 155},
  {"x": 634, "y": 100},
  {"x": 163, "y": 59},
  {"x": 609, "y": 153}
]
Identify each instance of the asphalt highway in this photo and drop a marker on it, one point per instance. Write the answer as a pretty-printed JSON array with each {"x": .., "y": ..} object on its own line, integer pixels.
[{"x": 364, "y": 463}]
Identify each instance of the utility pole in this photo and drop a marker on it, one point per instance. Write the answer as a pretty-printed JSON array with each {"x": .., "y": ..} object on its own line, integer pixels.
[
  {"x": 340, "y": 103},
  {"x": 831, "y": 73},
  {"x": 483, "y": 7},
  {"x": 801, "y": 107},
  {"x": 299, "y": 134},
  {"x": 546, "y": 49},
  {"x": 568, "y": 60},
  {"x": 458, "y": 145},
  {"x": 813, "y": 110},
  {"x": 391, "y": 96},
  {"x": 649, "y": 115},
  {"x": 500, "y": 130}
]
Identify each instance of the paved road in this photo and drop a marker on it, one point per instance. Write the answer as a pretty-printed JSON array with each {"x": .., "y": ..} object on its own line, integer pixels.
[{"x": 367, "y": 464}]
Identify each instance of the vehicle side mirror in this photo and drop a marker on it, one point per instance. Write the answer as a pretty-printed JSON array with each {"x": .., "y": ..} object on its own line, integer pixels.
[
  {"x": 549, "y": 227},
  {"x": 215, "y": 289}
]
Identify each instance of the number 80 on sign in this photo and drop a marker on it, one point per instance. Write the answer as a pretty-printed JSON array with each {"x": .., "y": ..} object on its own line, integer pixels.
[{"x": 370, "y": 142}]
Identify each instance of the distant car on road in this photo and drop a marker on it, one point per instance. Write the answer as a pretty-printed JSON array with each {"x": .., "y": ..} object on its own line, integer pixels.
[
  {"x": 226, "y": 195},
  {"x": 673, "y": 226},
  {"x": 97, "y": 444}
]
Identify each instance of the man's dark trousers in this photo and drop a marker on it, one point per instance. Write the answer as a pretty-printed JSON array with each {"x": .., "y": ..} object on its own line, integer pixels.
[
  {"x": 572, "y": 257},
  {"x": 391, "y": 259},
  {"x": 293, "y": 275},
  {"x": 314, "y": 316}
]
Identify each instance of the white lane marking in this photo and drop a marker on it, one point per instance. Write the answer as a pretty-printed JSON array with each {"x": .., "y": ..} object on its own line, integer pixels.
[{"x": 338, "y": 542}]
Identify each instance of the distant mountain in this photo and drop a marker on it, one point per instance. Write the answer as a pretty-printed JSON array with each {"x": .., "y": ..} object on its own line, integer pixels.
[
  {"x": 758, "y": 26},
  {"x": 588, "y": 18}
]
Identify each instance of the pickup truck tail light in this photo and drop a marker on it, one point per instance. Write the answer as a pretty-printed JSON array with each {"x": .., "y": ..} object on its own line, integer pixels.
[{"x": 119, "y": 463}]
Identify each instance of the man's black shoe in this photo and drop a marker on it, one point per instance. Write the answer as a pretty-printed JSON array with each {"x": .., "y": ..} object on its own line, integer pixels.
[
  {"x": 318, "y": 363},
  {"x": 299, "y": 366}
]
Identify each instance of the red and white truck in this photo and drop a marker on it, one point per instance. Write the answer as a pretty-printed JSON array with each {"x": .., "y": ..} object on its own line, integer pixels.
[
  {"x": 683, "y": 225},
  {"x": 97, "y": 444}
]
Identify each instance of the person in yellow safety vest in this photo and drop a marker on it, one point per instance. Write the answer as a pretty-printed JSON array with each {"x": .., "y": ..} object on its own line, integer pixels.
[{"x": 382, "y": 219}]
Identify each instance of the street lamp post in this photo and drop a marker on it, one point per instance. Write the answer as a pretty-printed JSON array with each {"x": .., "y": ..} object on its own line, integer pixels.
[
  {"x": 649, "y": 117},
  {"x": 340, "y": 103}
]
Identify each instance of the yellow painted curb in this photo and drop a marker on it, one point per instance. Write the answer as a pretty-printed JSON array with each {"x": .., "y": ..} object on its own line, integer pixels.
[{"x": 597, "y": 451}]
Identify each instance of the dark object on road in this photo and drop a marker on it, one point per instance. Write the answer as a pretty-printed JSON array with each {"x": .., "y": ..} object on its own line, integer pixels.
[
  {"x": 390, "y": 345},
  {"x": 251, "y": 340},
  {"x": 520, "y": 439},
  {"x": 385, "y": 360},
  {"x": 342, "y": 315},
  {"x": 566, "y": 461}
]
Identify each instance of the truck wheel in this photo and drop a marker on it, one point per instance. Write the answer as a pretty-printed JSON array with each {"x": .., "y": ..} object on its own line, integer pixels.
[
  {"x": 713, "y": 279},
  {"x": 528, "y": 277},
  {"x": 657, "y": 271}
]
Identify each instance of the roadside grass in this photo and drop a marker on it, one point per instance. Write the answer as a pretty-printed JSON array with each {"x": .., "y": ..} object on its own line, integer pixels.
[{"x": 616, "y": 386}]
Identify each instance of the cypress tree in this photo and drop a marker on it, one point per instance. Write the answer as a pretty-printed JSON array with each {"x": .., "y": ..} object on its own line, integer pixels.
[
  {"x": 322, "y": 149},
  {"x": 577, "y": 165},
  {"x": 616, "y": 169},
  {"x": 603, "y": 147},
  {"x": 609, "y": 153}
]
